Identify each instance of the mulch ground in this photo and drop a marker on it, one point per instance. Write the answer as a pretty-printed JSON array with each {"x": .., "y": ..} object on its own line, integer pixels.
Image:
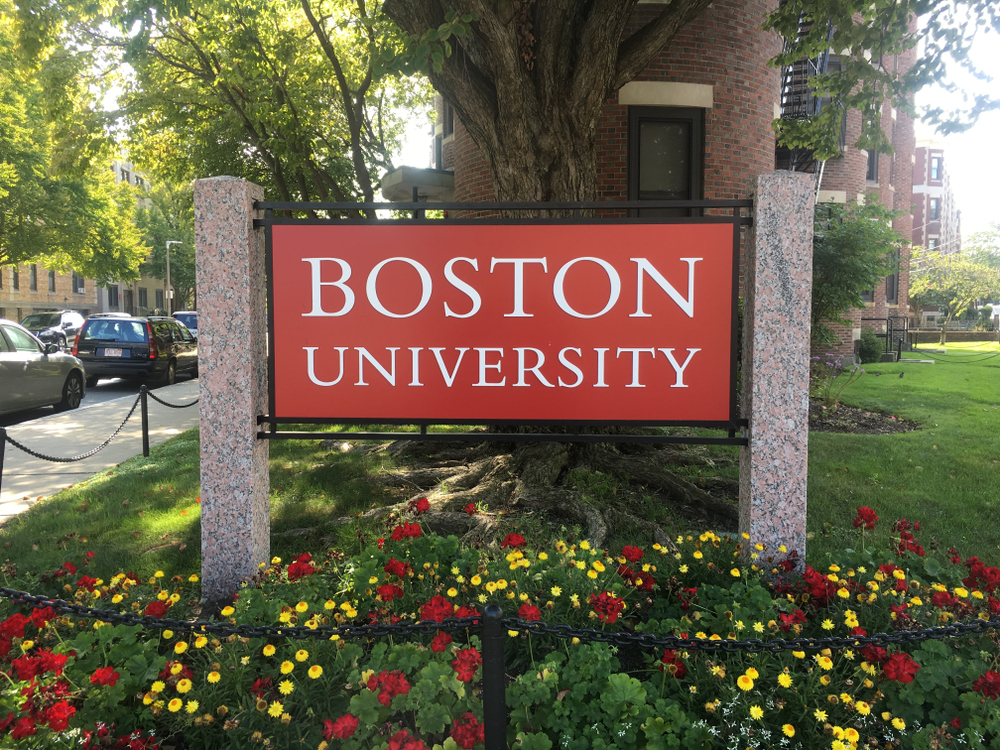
[{"x": 858, "y": 421}]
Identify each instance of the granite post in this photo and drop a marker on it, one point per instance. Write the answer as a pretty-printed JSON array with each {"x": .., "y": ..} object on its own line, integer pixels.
[
  {"x": 232, "y": 366},
  {"x": 775, "y": 374}
]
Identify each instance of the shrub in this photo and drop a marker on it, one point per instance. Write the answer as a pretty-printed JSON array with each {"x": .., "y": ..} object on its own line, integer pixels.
[{"x": 871, "y": 348}]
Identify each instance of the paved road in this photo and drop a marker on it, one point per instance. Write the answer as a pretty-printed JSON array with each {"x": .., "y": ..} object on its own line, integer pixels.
[
  {"x": 27, "y": 479},
  {"x": 105, "y": 390}
]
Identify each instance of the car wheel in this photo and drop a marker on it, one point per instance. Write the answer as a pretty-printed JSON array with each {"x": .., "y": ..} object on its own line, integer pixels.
[
  {"x": 170, "y": 376},
  {"x": 61, "y": 342},
  {"x": 92, "y": 381},
  {"x": 72, "y": 392}
]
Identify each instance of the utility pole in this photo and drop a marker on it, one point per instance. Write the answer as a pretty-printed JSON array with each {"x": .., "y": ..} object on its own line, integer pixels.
[{"x": 170, "y": 295}]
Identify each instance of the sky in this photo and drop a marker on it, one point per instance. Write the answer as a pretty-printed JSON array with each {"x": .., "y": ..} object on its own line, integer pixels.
[{"x": 972, "y": 158}]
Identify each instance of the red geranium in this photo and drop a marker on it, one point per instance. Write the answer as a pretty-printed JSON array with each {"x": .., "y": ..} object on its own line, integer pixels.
[
  {"x": 25, "y": 727},
  {"x": 406, "y": 530},
  {"x": 466, "y": 612},
  {"x": 673, "y": 664},
  {"x": 900, "y": 667},
  {"x": 388, "y": 685},
  {"x": 988, "y": 685},
  {"x": 467, "y": 731},
  {"x": 437, "y": 609},
  {"x": 105, "y": 676},
  {"x": 402, "y": 740},
  {"x": 632, "y": 554},
  {"x": 260, "y": 686},
  {"x": 340, "y": 729},
  {"x": 470, "y": 509},
  {"x": 607, "y": 606},
  {"x": 58, "y": 716},
  {"x": 465, "y": 664},
  {"x": 40, "y": 617},
  {"x": 441, "y": 642},
  {"x": 390, "y": 591},
  {"x": 396, "y": 568},
  {"x": 529, "y": 612},
  {"x": 866, "y": 517},
  {"x": 513, "y": 540},
  {"x": 300, "y": 567},
  {"x": 420, "y": 506},
  {"x": 687, "y": 597},
  {"x": 156, "y": 608}
]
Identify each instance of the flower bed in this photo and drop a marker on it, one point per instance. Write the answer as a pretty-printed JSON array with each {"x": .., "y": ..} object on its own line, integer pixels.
[{"x": 75, "y": 682}]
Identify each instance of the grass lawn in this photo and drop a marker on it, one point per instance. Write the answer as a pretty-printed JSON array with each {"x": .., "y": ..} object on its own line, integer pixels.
[{"x": 143, "y": 515}]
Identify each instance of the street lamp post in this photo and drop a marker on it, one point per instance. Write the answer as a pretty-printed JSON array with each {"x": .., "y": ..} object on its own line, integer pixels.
[{"x": 169, "y": 288}]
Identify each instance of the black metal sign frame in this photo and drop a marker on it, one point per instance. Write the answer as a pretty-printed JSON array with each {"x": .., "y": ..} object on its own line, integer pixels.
[{"x": 589, "y": 431}]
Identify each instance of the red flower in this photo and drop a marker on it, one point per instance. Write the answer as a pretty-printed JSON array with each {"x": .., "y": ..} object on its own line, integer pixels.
[
  {"x": 406, "y": 530},
  {"x": 470, "y": 509},
  {"x": 260, "y": 686},
  {"x": 437, "y": 609},
  {"x": 866, "y": 517},
  {"x": 388, "y": 685},
  {"x": 797, "y": 617},
  {"x": 687, "y": 597},
  {"x": 465, "y": 664},
  {"x": 300, "y": 567},
  {"x": 396, "y": 568},
  {"x": 673, "y": 663},
  {"x": 988, "y": 685},
  {"x": 529, "y": 612},
  {"x": 513, "y": 540},
  {"x": 467, "y": 731},
  {"x": 402, "y": 740},
  {"x": 390, "y": 591},
  {"x": 69, "y": 568},
  {"x": 105, "y": 676},
  {"x": 420, "y": 506},
  {"x": 956, "y": 722},
  {"x": 607, "y": 606},
  {"x": 340, "y": 729},
  {"x": 441, "y": 642},
  {"x": 58, "y": 716},
  {"x": 466, "y": 612},
  {"x": 25, "y": 727},
  {"x": 632, "y": 554},
  {"x": 40, "y": 617},
  {"x": 900, "y": 667},
  {"x": 381, "y": 542},
  {"x": 156, "y": 608}
]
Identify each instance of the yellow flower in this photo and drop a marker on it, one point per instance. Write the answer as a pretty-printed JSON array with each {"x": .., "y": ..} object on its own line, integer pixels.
[
  {"x": 174, "y": 598},
  {"x": 745, "y": 682},
  {"x": 301, "y": 607},
  {"x": 286, "y": 718},
  {"x": 286, "y": 667},
  {"x": 116, "y": 598},
  {"x": 214, "y": 677},
  {"x": 315, "y": 671},
  {"x": 785, "y": 680},
  {"x": 276, "y": 709},
  {"x": 825, "y": 662},
  {"x": 820, "y": 715},
  {"x": 175, "y": 705},
  {"x": 200, "y": 641},
  {"x": 513, "y": 633},
  {"x": 851, "y": 734},
  {"x": 683, "y": 569},
  {"x": 843, "y": 593},
  {"x": 735, "y": 572},
  {"x": 191, "y": 707},
  {"x": 584, "y": 545},
  {"x": 227, "y": 611},
  {"x": 157, "y": 687},
  {"x": 862, "y": 708},
  {"x": 961, "y": 593},
  {"x": 301, "y": 655},
  {"x": 158, "y": 574},
  {"x": 756, "y": 712},
  {"x": 825, "y": 679},
  {"x": 180, "y": 647},
  {"x": 752, "y": 673},
  {"x": 286, "y": 687},
  {"x": 244, "y": 660},
  {"x": 543, "y": 556},
  {"x": 184, "y": 685},
  {"x": 285, "y": 617},
  {"x": 899, "y": 724},
  {"x": 476, "y": 580},
  {"x": 177, "y": 668},
  {"x": 789, "y": 730},
  {"x": 556, "y": 591},
  {"x": 591, "y": 574},
  {"x": 827, "y": 624},
  {"x": 799, "y": 654},
  {"x": 330, "y": 604},
  {"x": 598, "y": 566},
  {"x": 697, "y": 554},
  {"x": 269, "y": 650},
  {"x": 275, "y": 560},
  {"x": 580, "y": 564},
  {"x": 758, "y": 627},
  {"x": 453, "y": 591},
  {"x": 491, "y": 586}
]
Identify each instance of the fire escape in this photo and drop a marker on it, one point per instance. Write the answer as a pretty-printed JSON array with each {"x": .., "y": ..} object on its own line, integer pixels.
[{"x": 798, "y": 102}]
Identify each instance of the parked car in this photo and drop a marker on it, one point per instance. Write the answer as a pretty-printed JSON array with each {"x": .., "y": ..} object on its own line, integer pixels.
[
  {"x": 57, "y": 327},
  {"x": 109, "y": 315},
  {"x": 34, "y": 374},
  {"x": 190, "y": 319},
  {"x": 153, "y": 348}
]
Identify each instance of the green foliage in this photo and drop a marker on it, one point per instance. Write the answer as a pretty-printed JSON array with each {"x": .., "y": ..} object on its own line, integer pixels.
[
  {"x": 828, "y": 378},
  {"x": 164, "y": 215},
  {"x": 952, "y": 281},
  {"x": 871, "y": 347},
  {"x": 854, "y": 248},
  {"x": 863, "y": 35}
]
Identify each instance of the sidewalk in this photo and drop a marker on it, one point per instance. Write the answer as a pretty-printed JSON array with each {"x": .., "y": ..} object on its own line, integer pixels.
[{"x": 27, "y": 479}]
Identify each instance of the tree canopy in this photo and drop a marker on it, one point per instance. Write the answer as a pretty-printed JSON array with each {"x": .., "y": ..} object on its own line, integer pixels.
[
  {"x": 59, "y": 204},
  {"x": 167, "y": 215},
  {"x": 954, "y": 282}
]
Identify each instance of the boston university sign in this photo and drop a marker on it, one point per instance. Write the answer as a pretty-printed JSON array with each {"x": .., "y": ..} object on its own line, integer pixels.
[{"x": 531, "y": 322}]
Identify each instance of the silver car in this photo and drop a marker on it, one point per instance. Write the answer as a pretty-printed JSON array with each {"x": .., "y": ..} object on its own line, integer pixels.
[{"x": 34, "y": 374}]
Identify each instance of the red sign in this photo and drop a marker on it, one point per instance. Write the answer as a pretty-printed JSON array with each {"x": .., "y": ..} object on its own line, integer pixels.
[{"x": 503, "y": 322}]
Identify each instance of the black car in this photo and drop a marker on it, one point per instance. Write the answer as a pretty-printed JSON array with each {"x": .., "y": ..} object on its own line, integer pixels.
[
  {"x": 190, "y": 319},
  {"x": 153, "y": 348},
  {"x": 57, "y": 327}
]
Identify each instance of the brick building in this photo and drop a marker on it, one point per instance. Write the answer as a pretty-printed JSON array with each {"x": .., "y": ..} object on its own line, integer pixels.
[
  {"x": 31, "y": 287},
  {"x": 936, "y": 218},
  {"x": 696, "y": 123}
]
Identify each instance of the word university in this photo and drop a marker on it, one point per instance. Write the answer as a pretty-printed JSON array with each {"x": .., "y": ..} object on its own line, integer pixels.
[{"x": 480, "y": 322}]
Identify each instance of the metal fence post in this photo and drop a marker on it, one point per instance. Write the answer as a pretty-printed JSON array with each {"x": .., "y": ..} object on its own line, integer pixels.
[
  {"x": 494, "y": 678},
  {"x": 3, "y": 444},
  {"x": 145, "y": 421}
]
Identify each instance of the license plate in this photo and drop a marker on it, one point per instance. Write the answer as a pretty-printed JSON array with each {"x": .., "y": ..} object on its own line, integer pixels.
[{"x": 112, "y": 352}]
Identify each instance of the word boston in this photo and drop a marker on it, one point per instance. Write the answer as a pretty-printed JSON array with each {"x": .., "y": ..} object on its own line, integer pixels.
[{"x": 479, "y": 322}]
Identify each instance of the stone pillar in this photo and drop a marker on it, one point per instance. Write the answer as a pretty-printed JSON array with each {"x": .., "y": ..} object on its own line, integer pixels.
[
  {"x": 232, "y": 366},
  {"x": 775, "y": 373}
]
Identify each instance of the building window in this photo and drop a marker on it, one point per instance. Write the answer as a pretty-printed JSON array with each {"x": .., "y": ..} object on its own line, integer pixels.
[
  {"x": 52, "y": 281},
  {"x": 139, "y": 182},
  {"x": 935, "y": 167},
  {"x": 666, "y": 156},
  {"x": 448, "y": 120},
  {"x": 126, "y": 175},
  {"x": 932, "y": 243},
  {"x": 143, "y": 297},
  {"x": 78, "y": 284},
  {"x": 15, "y": 279},
  {"x": 892, "y": 282},
  {"x": 159, "y": 299},
  {"x": 33, "y": 277},
  {"x": 872, "y": 175},
  {"x": 113, "y": 297},
  {"x": 935, "y": 212}
]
